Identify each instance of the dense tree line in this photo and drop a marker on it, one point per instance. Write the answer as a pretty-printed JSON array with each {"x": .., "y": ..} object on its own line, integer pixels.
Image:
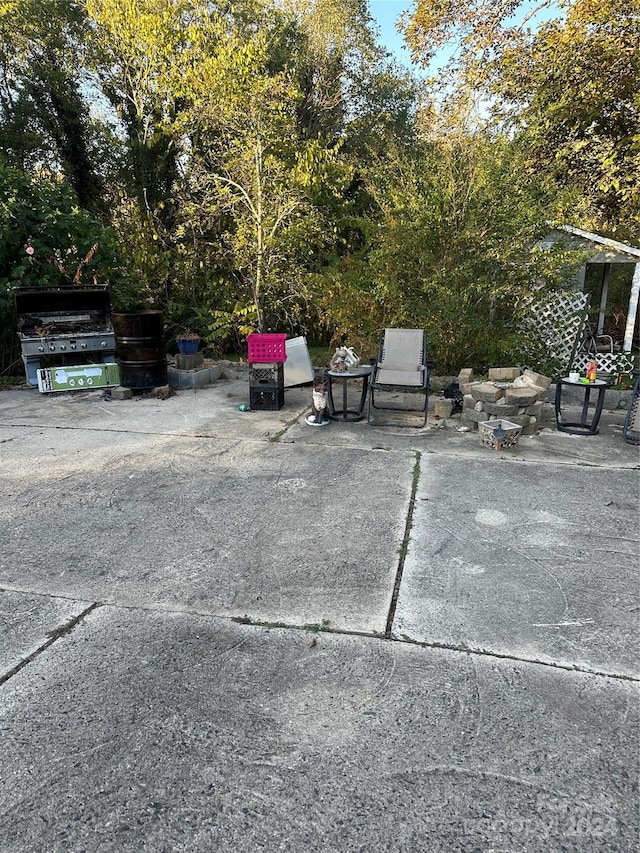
[{"x": 265, "y": 165}]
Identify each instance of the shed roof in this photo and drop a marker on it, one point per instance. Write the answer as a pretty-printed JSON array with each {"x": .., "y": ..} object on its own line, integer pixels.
[{"x": 606, "y": 251}]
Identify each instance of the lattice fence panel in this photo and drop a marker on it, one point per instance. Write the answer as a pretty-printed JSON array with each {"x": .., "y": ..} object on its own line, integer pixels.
[
  {"x": 550, "y": 328},
  {"x": 607, "y": 362}
]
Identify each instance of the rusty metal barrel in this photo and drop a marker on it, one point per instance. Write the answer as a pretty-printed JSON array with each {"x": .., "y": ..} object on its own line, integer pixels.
[{"x": 140, "y": 349}]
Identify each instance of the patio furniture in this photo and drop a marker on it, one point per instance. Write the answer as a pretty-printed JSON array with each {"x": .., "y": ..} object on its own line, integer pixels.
[
  {"x": 401, "y": 368},
  {"x": 631, "y": 428},
  {"x": 584, "y": 426},
  {"x": 592, "y": 344},
  {"x": 354, "y": 373}
]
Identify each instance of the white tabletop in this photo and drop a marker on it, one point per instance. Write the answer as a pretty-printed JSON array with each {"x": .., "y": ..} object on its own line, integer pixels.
[
  {"x": 583, "y": 382},
  {"x": 361, "y": 370}
]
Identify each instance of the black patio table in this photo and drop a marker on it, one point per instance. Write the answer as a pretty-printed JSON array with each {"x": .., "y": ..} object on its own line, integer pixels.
[
  {"x": 584, "y": 426},
  {"x": 344, "y": 376}
]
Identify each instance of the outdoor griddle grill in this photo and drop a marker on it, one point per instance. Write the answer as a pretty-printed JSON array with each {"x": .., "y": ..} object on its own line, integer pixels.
[{"x": 64, "y": 326}]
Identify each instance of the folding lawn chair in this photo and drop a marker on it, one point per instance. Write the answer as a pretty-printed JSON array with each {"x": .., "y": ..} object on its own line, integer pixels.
[
  {"x": 631, "y": 428},
  {"x": 401, "y": 368}
]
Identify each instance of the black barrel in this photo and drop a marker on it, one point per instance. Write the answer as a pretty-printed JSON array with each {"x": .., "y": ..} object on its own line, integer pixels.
[{"x": 140, "y": 350}]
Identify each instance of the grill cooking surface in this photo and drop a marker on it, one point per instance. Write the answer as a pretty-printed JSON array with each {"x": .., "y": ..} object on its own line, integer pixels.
[
  {"x": 65, "y": 325},
  {"x": 50, "y": 311},
  {"x": 47, "y": 325}
]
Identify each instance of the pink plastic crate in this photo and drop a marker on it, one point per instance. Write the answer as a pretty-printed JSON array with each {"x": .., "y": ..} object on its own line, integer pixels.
[{"x": 266, "y": 348}]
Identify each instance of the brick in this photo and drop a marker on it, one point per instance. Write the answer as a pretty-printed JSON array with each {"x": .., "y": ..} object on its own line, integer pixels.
[
  {"x": 120, "y": 393},
  {"x": 521, "y": 420},
  {"x": 465, "y": 376},
  {"x": 503, "y": 374},
  {"x": 541, "y": 393},
  {"x": 520, "y": 396},
  {"x": 486, "y": 392},
  {"x": 526, "y": 382}
]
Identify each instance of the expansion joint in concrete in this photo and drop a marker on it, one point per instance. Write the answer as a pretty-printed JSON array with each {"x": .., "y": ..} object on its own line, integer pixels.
[
  {"x": 468, "y": 650},
  {"x": 404, "y": 547},
  {"x": 54, "y": 635},
  {"x": 317, "y": 630}
]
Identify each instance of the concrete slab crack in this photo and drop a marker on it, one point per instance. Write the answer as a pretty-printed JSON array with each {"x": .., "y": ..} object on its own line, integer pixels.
[
  {"x": 54, "y": 635},
  {"x": 415, "y": 478}
]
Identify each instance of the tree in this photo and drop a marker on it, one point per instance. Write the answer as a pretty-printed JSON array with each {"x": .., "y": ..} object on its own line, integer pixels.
[
  {"x": 132, "y": 49},
  {"x": 451, "y": 250},
  {"x": 47, "y": 239},
  {"x": 253, "y": 174},
  {"x": 570, "y": 83},
  {"x": 44, "y": 118},
  {"x": 575, "y": 91}
]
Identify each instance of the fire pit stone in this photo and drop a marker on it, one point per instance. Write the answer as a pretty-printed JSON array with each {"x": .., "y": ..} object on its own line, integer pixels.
[{"x": 505, "y": 394}]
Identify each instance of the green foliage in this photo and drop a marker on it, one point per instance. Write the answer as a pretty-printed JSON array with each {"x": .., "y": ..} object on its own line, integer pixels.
[
  {"x": 264, "y": 166},
  {"x": 47, "y": 240},
  {"x": 576, "y": 87},
  {"x": 451, "y": 251},
  {"x": 569, "y": 81},
  {"x": 44, "y": 119}
]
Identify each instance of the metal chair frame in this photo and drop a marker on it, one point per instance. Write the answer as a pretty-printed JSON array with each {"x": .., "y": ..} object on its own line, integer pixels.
[
  {"x": 632, "y": 420},
  {"x": 402, "y": 361}
]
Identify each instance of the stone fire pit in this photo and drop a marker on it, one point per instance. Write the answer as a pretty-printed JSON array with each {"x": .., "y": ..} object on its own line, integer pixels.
[{"x": 506, "y": 394}]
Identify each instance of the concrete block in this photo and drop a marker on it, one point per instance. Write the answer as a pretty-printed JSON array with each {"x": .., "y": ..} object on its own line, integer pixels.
[
  {"x": 535, "y": 410},
  {"x": 120, "y": 393},
  {"x": 466, "y": 387},
  {"x": 501, "y": 409},
  {"x": 486, "y": 392},
  {"x": 193, "y": 378},
  {"x": 443, "y": 408},
  {"x": 468, "y": 402},
  {"x": 520, "y": 396},
  {"x": 536, "y": 378},
  {"x": 521, "y": 420},
  {"x": 465, "y": 376},
  {"x": 503, "y": 374},
  {"x": 189, "y": 362},
  {"x": 472, "y": 415}
]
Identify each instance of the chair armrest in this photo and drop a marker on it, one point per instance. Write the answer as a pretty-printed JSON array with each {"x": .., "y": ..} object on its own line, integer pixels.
[{"x": 604, "y": 343}]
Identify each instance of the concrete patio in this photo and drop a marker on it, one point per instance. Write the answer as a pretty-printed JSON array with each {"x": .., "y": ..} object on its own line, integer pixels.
[{"x": 226, "y": 630}]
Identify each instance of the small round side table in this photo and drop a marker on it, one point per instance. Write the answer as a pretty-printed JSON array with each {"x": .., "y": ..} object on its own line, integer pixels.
[
  {"x": 584, "y": 426},
  {"x": 348, "y": 414}
]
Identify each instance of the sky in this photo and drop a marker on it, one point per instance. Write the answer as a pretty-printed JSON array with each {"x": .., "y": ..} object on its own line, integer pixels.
[{"x": 386, "y": 13}]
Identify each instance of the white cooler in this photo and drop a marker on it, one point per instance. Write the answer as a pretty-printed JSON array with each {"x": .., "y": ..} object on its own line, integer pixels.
[{"x": 298, "y": 369}]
